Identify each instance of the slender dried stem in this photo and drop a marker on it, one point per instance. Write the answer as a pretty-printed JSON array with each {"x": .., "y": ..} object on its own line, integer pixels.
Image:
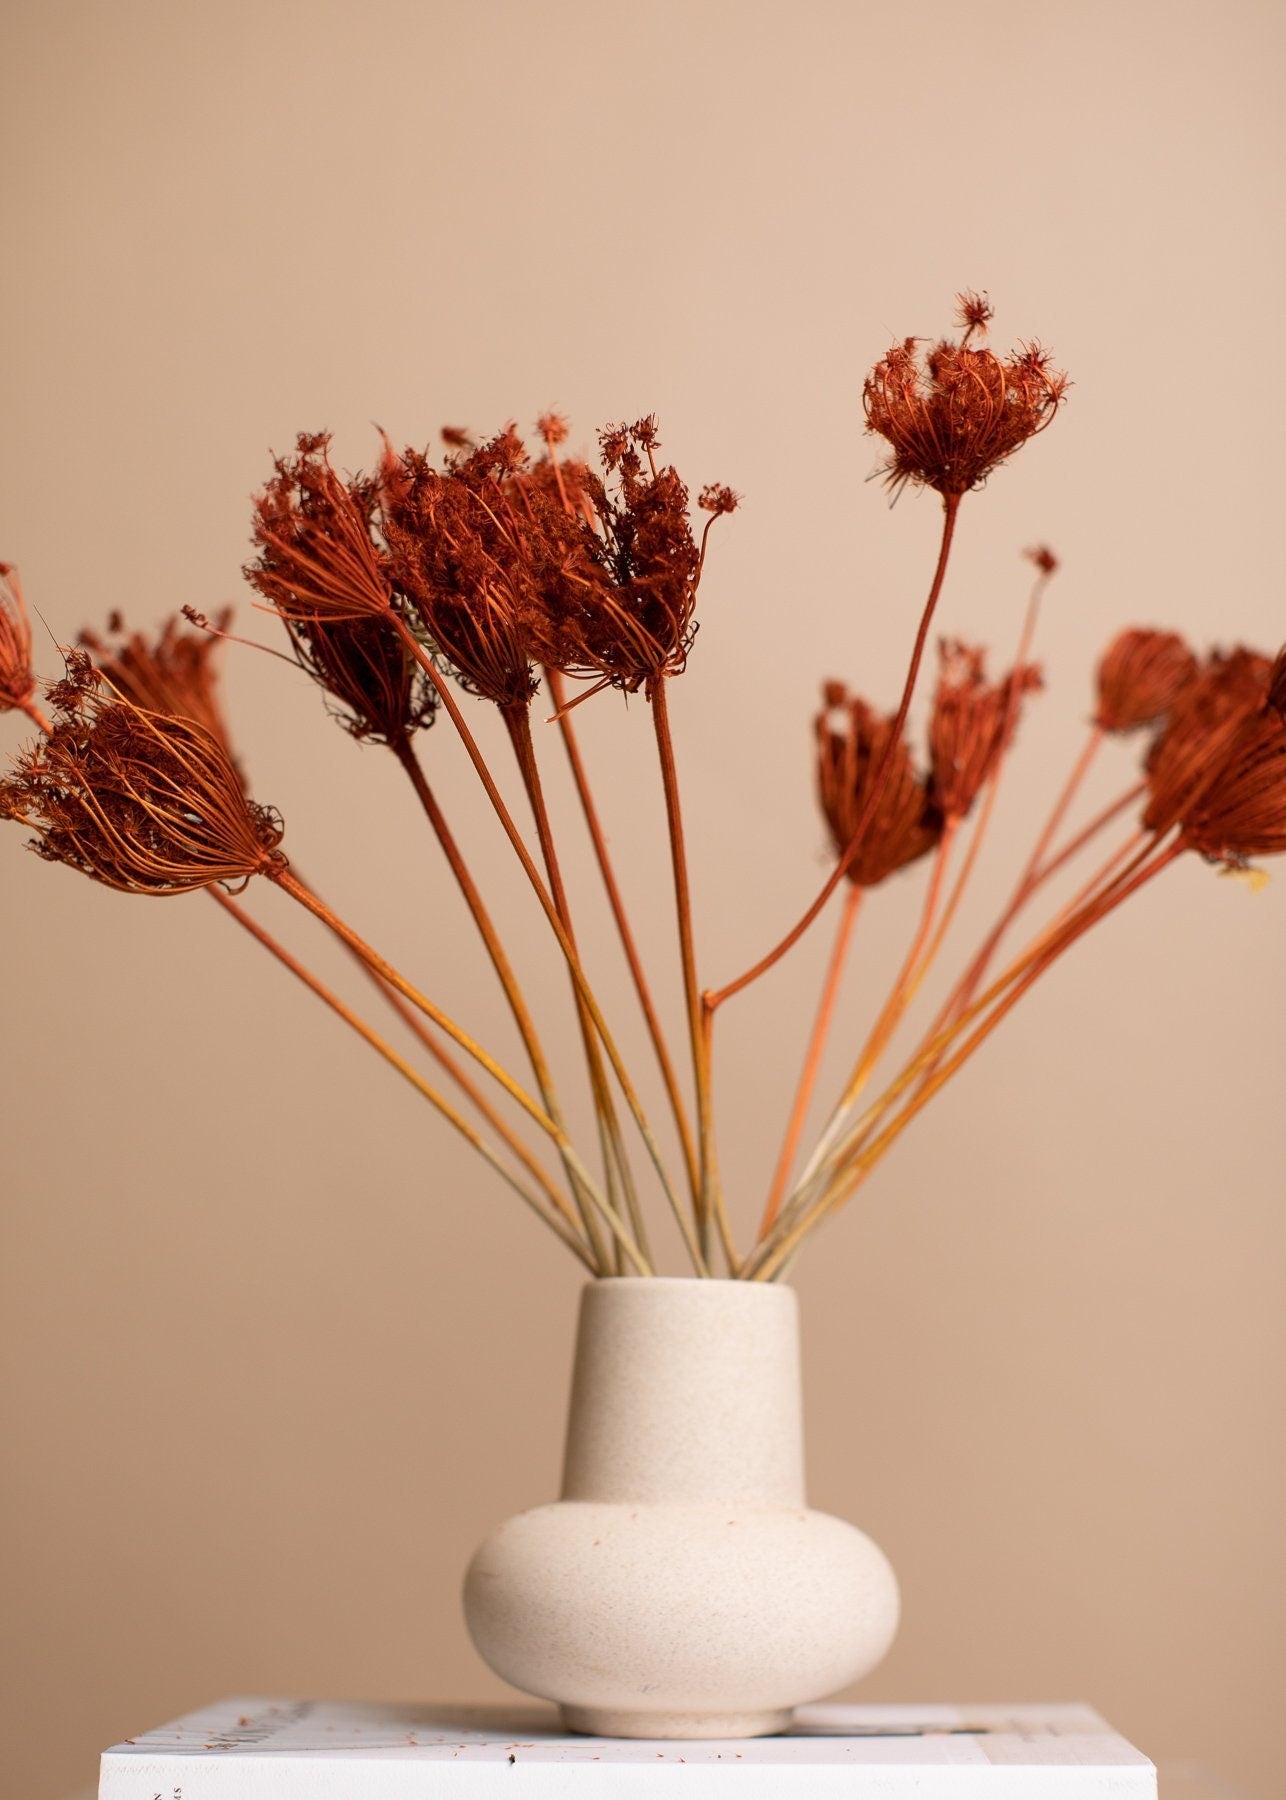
[
  {"x": 410, "y": 763},
  {"x": 683, "y": 1125},
  {"x": 1034, "y": 968},
  {"x": 443, "y": 689},
  {"x": 615, "y": 1159},
  {"x": 710, "y": 1208},
  {"x": 812, "y": 1058},
  {"x": 556, "y": 1223},
  {"x": 950, "y": 509},
  {"x": 41, "y": 722},
  {"x": 292, "y": 886}
]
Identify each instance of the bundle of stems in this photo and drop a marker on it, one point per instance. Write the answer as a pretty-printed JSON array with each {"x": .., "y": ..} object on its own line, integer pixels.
[{"x": 425, "y": 588}]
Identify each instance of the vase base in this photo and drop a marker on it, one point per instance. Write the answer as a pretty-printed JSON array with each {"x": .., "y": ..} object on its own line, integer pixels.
[{"x": 605, "y": 1721}]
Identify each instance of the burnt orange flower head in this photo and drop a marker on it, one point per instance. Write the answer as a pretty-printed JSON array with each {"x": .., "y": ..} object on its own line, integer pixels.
[
  {"x": 852, "y": 740},
  {"x": 17, "y": 683},
  {"x": 142, "y": 802},
  {"x": 972, "y": 724},
  {"x": 633, "y": 621},
  {"x": 486, "y": 560},
  {"x": 318, "y": 556},
  {"x": 1141, "y": 675},
  {"x": 1227, "y": 691},
  {"x": 172, "y": 673},
  {"x": 1241, "y": 810},
  {"x": 953, "y": 413}
]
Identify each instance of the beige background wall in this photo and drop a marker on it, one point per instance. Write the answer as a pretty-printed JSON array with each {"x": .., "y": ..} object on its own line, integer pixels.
[{"x": 275, "y": 1353}]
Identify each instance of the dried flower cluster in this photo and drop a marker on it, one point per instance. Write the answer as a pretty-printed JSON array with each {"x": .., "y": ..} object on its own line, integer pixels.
[
  {"x": 953, "y": 413},
  {"x": 139, "y": 800},
  {"x": 17, "y": 681},
  {"x": 493, "y": 568}
]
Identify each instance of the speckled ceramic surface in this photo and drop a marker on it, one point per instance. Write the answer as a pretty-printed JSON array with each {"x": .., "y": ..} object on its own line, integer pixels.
[{"x": 681, "y": 1587}]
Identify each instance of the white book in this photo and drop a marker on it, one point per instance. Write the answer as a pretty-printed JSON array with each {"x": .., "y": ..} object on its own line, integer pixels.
[{"x": 340, "y": 1750}]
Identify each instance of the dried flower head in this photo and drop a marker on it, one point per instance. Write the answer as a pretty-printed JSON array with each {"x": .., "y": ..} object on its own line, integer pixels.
[
  {"x": 485, "y": 557},
  {"x": 852, "y": 741},
  {"x": 1241, "y": 811},
  {"x": 377, "y": 690},
  {"x": 318, "y": 557},
  {"x": 952, "y": 414},
  {"x": 1141, "y": 675},
  {"x": 173, "y": 673},
  {"x": 974, "y": 312},
  {"x": 139, "y": 801},
  {"x": 972, "y": 724},
  {"x": 636, "y": 620},
  {"x": 1043, "y": 559},
  {"x": 17, "y": 682},
  {"x": 1227, "y": 691}
]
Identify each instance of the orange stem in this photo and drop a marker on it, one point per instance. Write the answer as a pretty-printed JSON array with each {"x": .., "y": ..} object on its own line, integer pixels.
[
  {"x": 560, "y": 1220},
  {"x": 813, "y": 1058},
  {"x": 951, "y": 507},
  {"x": 617, "y": 902},
  {"x": 710, "y": 1202}
]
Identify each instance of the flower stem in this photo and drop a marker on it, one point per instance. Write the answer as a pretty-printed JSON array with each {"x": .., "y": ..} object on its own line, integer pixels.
[
  {"x": 1035, "y": 967},
  {"x": 443, "y": 690},
  {"x": 410, "y": 763},
  {"x": 616, "y": 901},
  {"x": 710, "y": 1206},
  {"x": 950, "y": 508},
  {"x": 292, "y": 886},
  {"x": 553, "y": 1219},
  {"x": 38, "y": 718},
  {"x": 813, "y": 1057},
  {"x": 615, "y": 1161}
]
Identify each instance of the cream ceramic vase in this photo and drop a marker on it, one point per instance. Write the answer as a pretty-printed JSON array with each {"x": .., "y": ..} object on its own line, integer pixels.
[{"x": 681, "y": 1587}]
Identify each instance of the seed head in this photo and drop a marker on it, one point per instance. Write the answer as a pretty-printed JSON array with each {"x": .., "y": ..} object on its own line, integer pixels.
[
  {"x": 140, "y": 801},
  {"x": 173, "y": 673},
  {"x": 479, "y": 553},
  {"x": 851, "y": 744},
  {"x": 318, "y": 556},
  {"x": 1241, "y": 811},
  {"x": 1141, "y": 675},
  {"x": 1226, "y": 692},
  {"x": 17, "y": 682},
  {"x": 953, "y": 414},
  {"x": 972, "y": 724}
]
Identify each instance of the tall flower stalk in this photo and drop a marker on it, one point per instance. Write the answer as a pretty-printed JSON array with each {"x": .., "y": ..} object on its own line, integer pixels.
[{"x": 413, "y": 595}]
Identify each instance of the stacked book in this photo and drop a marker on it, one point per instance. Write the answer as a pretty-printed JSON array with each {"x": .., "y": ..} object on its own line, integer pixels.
[{"x": 330, "y": 1750}]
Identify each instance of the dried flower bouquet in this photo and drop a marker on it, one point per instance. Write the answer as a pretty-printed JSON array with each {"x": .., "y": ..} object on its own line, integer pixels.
[{"x": 424, "y": 588}]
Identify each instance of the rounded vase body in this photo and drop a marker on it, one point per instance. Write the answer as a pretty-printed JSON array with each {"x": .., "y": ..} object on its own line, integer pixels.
[{"x": 681, "y": 1587}]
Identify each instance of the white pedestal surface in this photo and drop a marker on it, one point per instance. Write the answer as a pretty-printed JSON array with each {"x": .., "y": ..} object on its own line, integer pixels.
[{"x": 263, "y": 1749}]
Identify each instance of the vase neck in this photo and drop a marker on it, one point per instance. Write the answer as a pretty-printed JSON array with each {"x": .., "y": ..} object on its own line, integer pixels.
[{"x": 686, "y": 1392}]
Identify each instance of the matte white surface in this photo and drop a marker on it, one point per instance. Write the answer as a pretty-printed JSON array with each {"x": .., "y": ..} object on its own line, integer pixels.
[{"x": 253, "y": 1749}]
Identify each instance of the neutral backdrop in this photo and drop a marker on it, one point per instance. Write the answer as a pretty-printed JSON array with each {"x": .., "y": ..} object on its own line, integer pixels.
[{"x": 276, "y": 1353}]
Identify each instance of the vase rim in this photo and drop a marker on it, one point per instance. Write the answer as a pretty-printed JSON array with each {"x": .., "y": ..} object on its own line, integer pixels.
[{"x": 715, "y": 1283}]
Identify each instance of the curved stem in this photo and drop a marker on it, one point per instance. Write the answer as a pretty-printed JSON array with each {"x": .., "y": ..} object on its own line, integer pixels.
[
  {"x": 443, "y": 690},
  {"x": 710, "y": 1207},
  {"x": 950, "y": 508},
  {"x": 38, "y": 718},
  {"x": 812, "y": 1058},
  {"x": 811, "y": 1190},
  {"x": 943, "y": 1073},
  {"x": 422, "y": 1087},
  {"x": 616, "y": 901},
  {"x": 297, "y": 891},
  {"x": 410, "y": 764},
  {"x": 518, "y": 722}
]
